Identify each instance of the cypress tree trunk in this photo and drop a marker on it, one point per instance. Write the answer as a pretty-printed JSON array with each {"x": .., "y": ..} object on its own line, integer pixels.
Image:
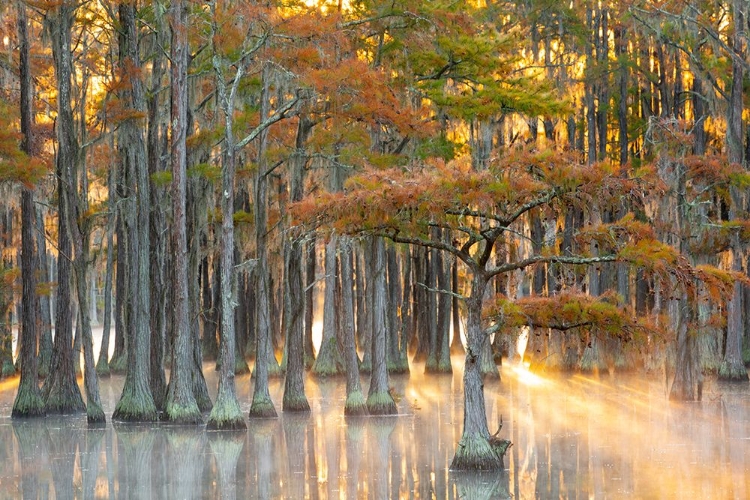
[
  {"x": 379, "y": 400},
  {"x": 355, "y": 400},
  {"x": 210, "y": 347},
  {"x": 732, "y": 367},
  {"x": 28, "y": 402},
  {"x": 294, "y": 304},
  {"x": 226, "y": 413},
  {"x": 102, "y": 366},
  {"x": 329, "y": 361},
  {"x": 262, "y": 406},
  {"x": 181, "y": 406},
  {"x": 45, "y": 317},
  {"x": 475, "y": 452},
  {"x": 364, "y": 326},
  {"x": 444, "y": 313},
  {"x": 136, "y": 403},
  {"x": 61, "y": 391},
  {"x": 119, "y": 355},
  {"x": 457, "y": 346},
  {"x": 310, "y": 259},
  {"x": 431, "y": 313},
  {"x": 156, "y": 137},
  {"x": 406, "y": 312},
  {"x": 396, "y": 310}
]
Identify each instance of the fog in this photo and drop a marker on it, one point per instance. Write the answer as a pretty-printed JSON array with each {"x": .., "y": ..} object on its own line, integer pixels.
[{"x": 573, "y": 436}]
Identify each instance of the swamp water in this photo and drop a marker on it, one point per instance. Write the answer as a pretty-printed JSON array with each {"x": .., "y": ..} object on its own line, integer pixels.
[{"x": 573, "y": 437}]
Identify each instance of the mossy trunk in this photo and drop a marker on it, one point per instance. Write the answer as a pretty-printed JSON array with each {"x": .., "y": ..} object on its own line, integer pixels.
[
  {"x": 294, "y": 304},
  {"x": 181, "y": 406},
  {"x": 732, "y": 368},
  {"x": 61, "y": 391},
  {"x": 379, "y": 400},
  {"x": 28, "y": 402},
  {"x": 226, "y": 413},
  {"x": 136, "y": 402},
  {"x": 262, "y": 405},
  {"x": 474, "y": 451},
  {"x": 355, "y": 401}
]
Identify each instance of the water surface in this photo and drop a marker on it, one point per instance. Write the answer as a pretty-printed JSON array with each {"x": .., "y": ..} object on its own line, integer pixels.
[{"x": 574, "y": 437}]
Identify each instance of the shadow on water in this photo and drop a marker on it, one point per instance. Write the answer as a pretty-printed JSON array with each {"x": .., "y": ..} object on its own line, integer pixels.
[{"x": 573, "y": 437}]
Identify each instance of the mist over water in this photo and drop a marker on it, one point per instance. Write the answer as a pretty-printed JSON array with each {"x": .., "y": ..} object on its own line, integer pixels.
[{"x": 573, "y": 436}]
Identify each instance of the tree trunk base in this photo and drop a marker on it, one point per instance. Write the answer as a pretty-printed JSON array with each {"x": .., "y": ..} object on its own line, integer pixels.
[
  {"x": 63, "y": 401},
  {"x": 118, "y": 364},
  {"x": 733, "y": 372},
  {"x": 297, "y": 403},
  {"x": 381, "y": 403},
  {"x": 28, "y": 403},
  {"x": 102, "y": 369},
  {"x": 329, "y": 362},
  {"x": 475, "y": 453},
  {"x": 135, "y": 409},
  {"x": 183, "y": 415},
  {"x": 262, "y": 408},
  {"x": 356, "y": 405},
  {"x": 226, "y": 416},
  {"x": 95, "y": 415}
]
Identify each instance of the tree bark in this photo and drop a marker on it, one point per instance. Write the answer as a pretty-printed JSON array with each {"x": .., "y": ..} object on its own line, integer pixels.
[
  {"x": 181, "y": 406},
  {"x": 294, "y": 304},
  {"x": 61, "y": 391},
  {"x": 379, "y": 400},
  {"x": 329, "y": 361},
  {"x": 474, "y": 451},
  {"x": 136, "y": 403},
  {"x": 28, "y": 402},
  {"x": 355, "y": 400}
]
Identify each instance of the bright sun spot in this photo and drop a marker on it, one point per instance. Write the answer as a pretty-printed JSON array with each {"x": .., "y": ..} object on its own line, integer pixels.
[{"x": 526, "y": 377}]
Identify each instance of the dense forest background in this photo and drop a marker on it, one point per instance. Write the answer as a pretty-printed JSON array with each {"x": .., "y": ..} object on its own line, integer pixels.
[{"x": 573, "y": 174}]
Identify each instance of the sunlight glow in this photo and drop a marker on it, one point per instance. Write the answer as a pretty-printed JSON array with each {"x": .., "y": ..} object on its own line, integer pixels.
[
  {"x": 9, "y": 384},
  {"x": 526, "y": 377}
]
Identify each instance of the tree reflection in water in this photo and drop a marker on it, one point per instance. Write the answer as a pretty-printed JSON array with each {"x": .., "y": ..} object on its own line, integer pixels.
[{"x": 573, "y": 436}]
